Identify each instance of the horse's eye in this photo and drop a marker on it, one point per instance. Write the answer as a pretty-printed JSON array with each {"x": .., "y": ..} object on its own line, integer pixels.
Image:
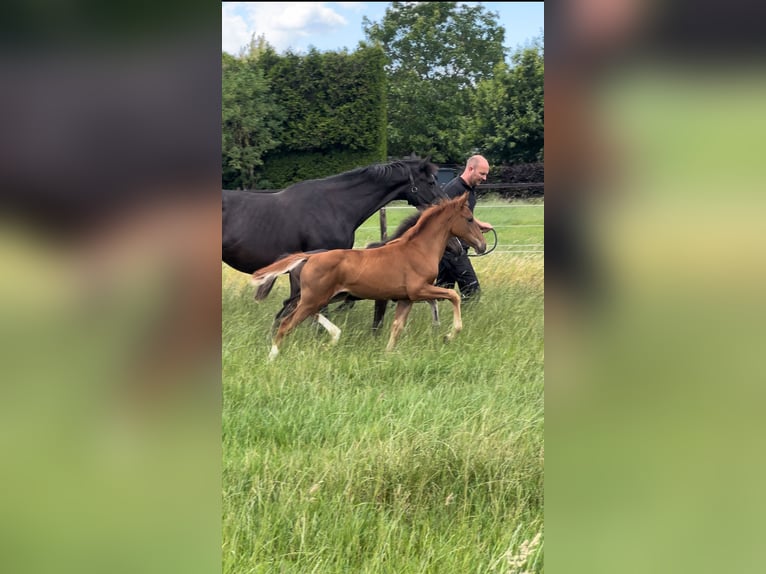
[{"x": 470, "y": 220}]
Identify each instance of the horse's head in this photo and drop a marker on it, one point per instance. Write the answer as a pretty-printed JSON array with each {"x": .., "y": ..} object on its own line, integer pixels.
[
  {"x": 424, "y": 188},
  {"x": 464, "y": 226}
]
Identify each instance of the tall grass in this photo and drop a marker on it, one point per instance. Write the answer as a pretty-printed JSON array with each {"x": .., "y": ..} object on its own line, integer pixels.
[{"x": 428, "y": 459}]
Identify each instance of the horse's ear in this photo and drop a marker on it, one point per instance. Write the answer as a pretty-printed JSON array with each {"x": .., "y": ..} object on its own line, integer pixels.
[{"x": 429, "y": 167}]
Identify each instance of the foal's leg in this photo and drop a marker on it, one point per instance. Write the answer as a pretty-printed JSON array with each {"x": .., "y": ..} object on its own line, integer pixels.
[
  {"x": 403, "y": 307},
  {"x": 431, "y": 292},
  {"x": 331, "y": 327},
  {"x": 287, "y": 325},
  {"x": 288, "y": 306},
  {"x": 457, "y": 320}
]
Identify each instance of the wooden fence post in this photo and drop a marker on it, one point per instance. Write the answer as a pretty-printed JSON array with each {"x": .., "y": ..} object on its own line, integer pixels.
[{"x": 383, "y": 225}]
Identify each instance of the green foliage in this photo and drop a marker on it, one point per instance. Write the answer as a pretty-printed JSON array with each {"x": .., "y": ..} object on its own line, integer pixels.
[
  {"x": 437, "y": 52},
  {"x": 249, "y": 120},
  {"x": 282, "y": 169},
  {"x": 335, "y": 105},
  {"x": 329, "y": 114},
  {"x": 255, "y": 48},
  {"x": 331, "y": 99},
  {"x": 508, "y": 125}
]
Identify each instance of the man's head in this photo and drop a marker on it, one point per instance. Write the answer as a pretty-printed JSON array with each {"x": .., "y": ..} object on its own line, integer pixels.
[{"x": 476, "y": 170}]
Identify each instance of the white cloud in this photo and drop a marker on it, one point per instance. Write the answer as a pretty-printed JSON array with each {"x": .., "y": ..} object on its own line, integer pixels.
[
  {"x": 234, "y": 30},
  {"x": 356, "y": 6},
  {"x": 284, "y": 25}
]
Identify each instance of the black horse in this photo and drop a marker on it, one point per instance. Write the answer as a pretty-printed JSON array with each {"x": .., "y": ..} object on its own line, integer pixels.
[
  {"x": 453, "y": 246},
  {"x": 259, "y": 228}
]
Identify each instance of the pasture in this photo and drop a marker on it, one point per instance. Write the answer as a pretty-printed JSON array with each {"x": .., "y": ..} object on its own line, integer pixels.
[{"x": 428, "y": 459}]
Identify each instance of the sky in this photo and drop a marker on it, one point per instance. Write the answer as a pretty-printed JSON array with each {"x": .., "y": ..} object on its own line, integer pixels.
[{"x": 337, "y": 25}]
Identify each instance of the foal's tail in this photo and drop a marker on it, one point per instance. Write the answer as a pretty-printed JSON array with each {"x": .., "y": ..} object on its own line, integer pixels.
[
  {"x": 265, "y": 288},
  {"x": 265, "y": 277}
]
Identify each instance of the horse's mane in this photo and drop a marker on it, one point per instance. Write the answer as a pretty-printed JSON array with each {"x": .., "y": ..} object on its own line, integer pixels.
[
  {"x": 401, "y": 168},
  {"x": 383, "y": 170},
  {"x": 377, "y": 171},
  {"x": 432, "y": 212},
  {"x": 405, "y": 225}
]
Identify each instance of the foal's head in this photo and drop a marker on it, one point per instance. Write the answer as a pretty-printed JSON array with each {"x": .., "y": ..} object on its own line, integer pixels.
[{"x": 462, "y": 225}]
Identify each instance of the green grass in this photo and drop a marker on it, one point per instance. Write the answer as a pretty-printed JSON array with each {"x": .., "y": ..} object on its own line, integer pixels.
[{"x": 428, "y": 459}]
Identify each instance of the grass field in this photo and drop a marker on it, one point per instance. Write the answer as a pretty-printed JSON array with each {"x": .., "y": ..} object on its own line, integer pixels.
[{"x": 429, "y": 459}]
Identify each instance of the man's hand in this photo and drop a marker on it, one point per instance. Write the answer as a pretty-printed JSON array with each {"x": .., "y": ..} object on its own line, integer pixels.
[{"x": 483, "y": 225}]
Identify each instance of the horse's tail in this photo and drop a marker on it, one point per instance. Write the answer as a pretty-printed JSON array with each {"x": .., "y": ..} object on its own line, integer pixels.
[
  {"x": 265, "y": 288},
  {"x": 265, "y": 277}
]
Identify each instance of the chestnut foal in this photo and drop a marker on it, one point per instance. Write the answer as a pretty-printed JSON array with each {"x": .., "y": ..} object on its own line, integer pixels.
[{"x": 403, "y": 269}]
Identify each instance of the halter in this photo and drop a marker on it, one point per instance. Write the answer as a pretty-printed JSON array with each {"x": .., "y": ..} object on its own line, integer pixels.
[{"x": 413, "y": 187}]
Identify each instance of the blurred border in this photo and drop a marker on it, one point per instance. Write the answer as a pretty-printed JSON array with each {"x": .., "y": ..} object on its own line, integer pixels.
[
  {"x": 655, "y": 114},
  {"x": 110, "y": 307}
]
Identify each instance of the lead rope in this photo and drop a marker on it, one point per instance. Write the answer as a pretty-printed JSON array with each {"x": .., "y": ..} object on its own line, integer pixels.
[{"x": 488, "y": 251}]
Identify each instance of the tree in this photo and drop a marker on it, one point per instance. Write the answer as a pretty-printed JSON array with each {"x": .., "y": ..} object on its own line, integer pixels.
[
  {"x": 437, "y": 53},
  {"x": 256, "y": 47},
  {"x": 334, "y": 104},
  {"x": 509, "y": 112},
  {"x": 249, "y": 117}
]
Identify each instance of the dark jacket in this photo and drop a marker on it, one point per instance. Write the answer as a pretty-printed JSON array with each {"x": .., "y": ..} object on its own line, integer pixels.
[{"x": 456, "y": 187}]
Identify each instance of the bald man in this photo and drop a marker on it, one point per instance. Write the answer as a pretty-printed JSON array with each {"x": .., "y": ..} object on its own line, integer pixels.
[{"x": 455, "y": 268}]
